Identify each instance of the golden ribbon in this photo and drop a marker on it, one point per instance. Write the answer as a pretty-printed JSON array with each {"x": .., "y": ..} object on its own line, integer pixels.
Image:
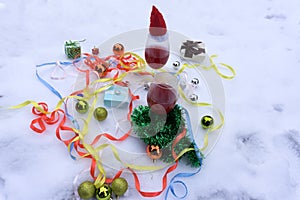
[{"x": 212, "y": 66}]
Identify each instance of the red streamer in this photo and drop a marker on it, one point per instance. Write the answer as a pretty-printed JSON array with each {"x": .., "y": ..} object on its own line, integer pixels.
[
  {"x": 133, "y": 98},
  {"x": 55, "y": 116},
  {"x": 177, "y": 139},
  {"x": 137, "y": 181}
]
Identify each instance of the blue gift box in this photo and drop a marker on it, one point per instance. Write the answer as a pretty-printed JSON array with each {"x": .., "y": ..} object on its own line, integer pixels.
[{"x": 116, "y": 96}]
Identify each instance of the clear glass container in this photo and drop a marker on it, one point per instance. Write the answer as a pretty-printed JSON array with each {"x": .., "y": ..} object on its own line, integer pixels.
[
  {"x": 162, "y": 95},
  {"x": 157, "y": 50}
]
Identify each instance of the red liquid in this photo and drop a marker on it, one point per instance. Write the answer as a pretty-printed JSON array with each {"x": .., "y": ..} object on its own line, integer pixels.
[
  {"x": 156, "y": 57},
  {"x": 161, "y": 94}
]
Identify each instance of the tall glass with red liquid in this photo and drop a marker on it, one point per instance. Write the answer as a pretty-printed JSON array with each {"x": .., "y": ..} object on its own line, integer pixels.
[
  {"x": 157, "y": 50},
  {"x": 162, "y": 95}
]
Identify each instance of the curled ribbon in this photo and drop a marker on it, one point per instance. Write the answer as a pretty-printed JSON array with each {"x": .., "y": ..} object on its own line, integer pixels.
[
  {"x": 164, "y": 179},
  {"x": 54, "y": 117},
  {"x": 137, "y": 181},
  {"x": 43, "y": 118},
  {"x": 48, "y": 118},
  {"x": 212, "y": 66},
  {"x": 211, "y": 129},
  {"x": 174, "y": 182},
  {"x": 92, "y": 152},
  {"x": 131, "y": 61}
]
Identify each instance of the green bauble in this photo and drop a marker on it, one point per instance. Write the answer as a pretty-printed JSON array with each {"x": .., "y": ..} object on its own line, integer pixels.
[
  {"x": 100, "y": 113},
  {"x": 119, "y": 186},
  {"x": 207, "y": 121},
  {"x": 103, "y": 193},
  {"x": 82, "y": 106},
  {"x": 86, "y": 190}
]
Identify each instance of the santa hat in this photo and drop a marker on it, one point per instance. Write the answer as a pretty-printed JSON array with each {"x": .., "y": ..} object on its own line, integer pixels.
[{"x": 157, "y": 23}]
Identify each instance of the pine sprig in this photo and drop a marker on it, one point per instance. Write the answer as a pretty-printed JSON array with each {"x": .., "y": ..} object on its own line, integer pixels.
[{"x": 155, "y": 131}]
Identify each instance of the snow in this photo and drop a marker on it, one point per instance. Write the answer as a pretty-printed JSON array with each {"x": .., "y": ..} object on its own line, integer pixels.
[{"x": 258, "y": 155}]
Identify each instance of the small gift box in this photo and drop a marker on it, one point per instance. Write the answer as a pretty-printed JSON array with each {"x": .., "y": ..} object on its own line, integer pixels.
[
  {"x": 72, "y": 49},
  {"x": 116, "y": 96},
  {"x": 193, "y": 50}
]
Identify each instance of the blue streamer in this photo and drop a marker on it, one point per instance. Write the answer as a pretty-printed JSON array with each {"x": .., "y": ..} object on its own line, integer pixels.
[
  {"x": 54, "y": 91},
  {"x": 62, "y": 63},
  {"x": 71, "y": 148},
  {"x": 185, "y": 175}
]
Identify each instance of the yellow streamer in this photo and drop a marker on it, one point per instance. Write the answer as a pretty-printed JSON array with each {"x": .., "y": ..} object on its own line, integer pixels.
[
  {"x": 116, "y": 155},
  {"x": 35, "y": 104},
  {"x": 212, "y": 66},
  {"x": 191, "y": 102},
  {"x": 183, "y": 152},
  {"x": 81, "y": 134},
  {"x": 205, "y": 142},
  {"x": 140, "y": 61},
  {"x": 94, "y": 152}
]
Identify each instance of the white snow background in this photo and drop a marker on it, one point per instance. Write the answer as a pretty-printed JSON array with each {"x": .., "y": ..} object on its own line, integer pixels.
[{"x": 258, "y": 155}]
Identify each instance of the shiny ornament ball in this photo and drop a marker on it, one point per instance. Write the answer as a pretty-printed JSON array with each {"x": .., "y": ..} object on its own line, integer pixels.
[
  {"x": 195, "y": 81},
  {"x": 193, "y": 97},
  {"x": 119, "y": 186},
  {"x": 86, "y": 190},
  {"x": 103, "y": 193},
  {"x": 82, "y": 106},
  {"x": 147, "y": 85},
  {"x": 176, "y": 65},
  {"x": 100, "y": 113},
  {"x": 207, "y": 121},
  {"x": 95, "y": 51},
  {"x": 118, "y": 49},
  {"x": 154, "y": 152},
  {"x": 101, "y": 68}
]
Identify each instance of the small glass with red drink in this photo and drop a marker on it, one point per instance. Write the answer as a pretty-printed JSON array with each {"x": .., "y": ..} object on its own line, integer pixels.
[{"x": 162, "y": 95}]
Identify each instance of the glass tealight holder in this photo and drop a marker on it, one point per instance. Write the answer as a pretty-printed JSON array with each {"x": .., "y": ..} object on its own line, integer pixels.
[{"x": 162, "y": 94}]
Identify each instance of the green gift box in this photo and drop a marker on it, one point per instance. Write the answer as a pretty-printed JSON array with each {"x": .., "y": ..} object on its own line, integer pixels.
[{"x": 72, "y": 49}]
